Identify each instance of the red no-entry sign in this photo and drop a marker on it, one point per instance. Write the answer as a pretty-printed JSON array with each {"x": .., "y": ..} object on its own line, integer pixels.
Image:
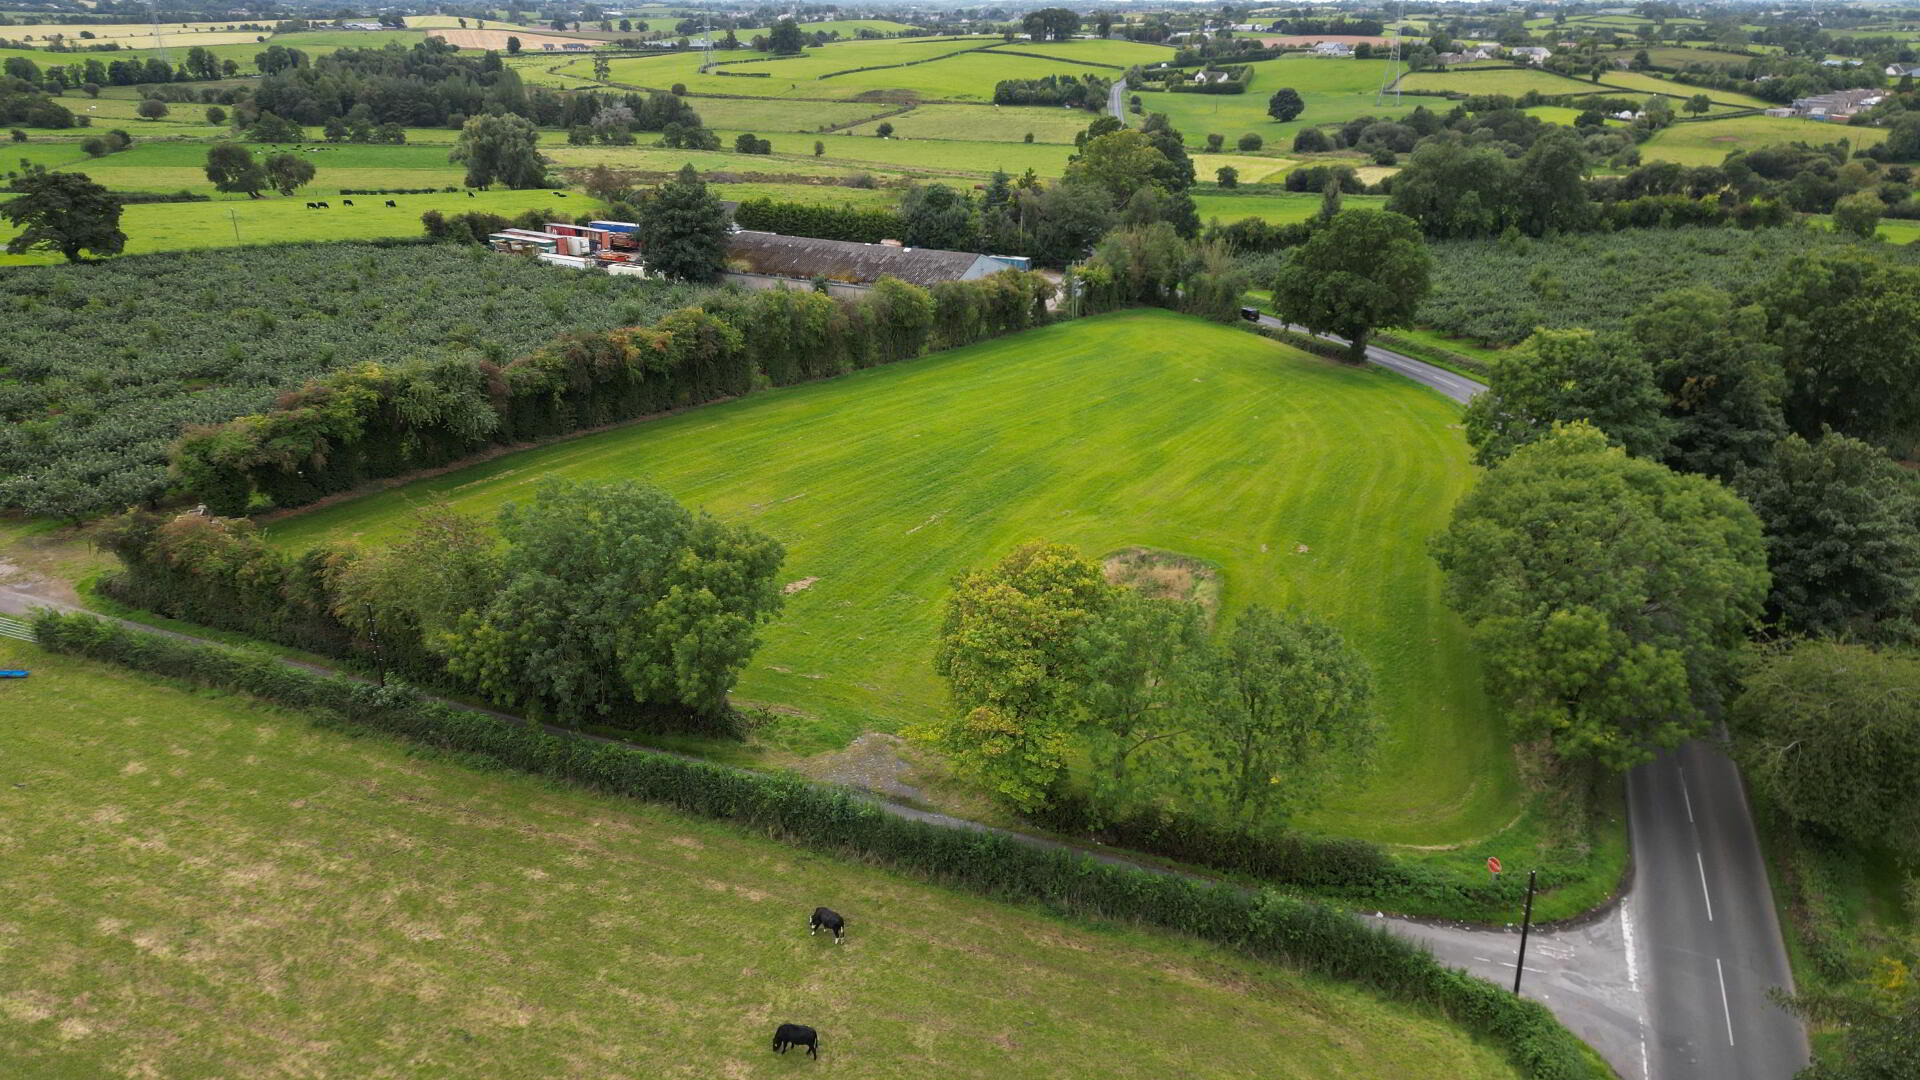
[{"x": 1493, "y": 863}]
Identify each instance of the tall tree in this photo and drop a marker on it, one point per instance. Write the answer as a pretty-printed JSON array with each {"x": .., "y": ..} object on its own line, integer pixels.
[
  {"x": 231, "y": 167},
  {"x": 1721, "y": 378},
  {"x": 1608, "y": 595},
  {"x": 1845, "y": 323},
  {"x": 786, "y": 38},
  {"x": 683, "y": 229},
  {"x": 938, "y": 216},
  {"x": 1557, "y": 376},
  {"x": 1830, "y": 734},
  {"x": 500, "y": 150},
  {"x": 615, "y": 600},
  {"x": 287, "y": 173},
  {"x": 1549, "y": 184},
  {"x": 1362, "y": 270},
  {"x": 1144, "y": 666},
  {"x": 1285, "y": 104},
  {"x": 63, "y": 212},
  {"x": 1007, "y": 651},
  {"x": 1295, "y": 711},
  {"x": 1843, "y": 534},
  {"x": 1453, "y": 189}
]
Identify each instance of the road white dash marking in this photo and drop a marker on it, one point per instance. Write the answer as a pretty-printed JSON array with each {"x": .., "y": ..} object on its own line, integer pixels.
[
  {"x": 1684, "y": 795},
  {"x": 1703, "y": 884},
  {"x": 1724, "y": 1007}
]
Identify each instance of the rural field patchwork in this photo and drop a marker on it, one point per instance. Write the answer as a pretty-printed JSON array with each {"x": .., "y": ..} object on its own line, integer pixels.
[
  {"x": 203, "y": 886},
  {"x": 1310, "y": 484}
]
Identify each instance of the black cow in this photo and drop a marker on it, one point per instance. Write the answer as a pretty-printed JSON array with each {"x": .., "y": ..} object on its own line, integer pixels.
[
  {"x": 390, "y": 202},
  {"x": 791, "y": 1035},
  {"x": 559, "y": 194},
  {"x": 346, "y": 202},
  {"x": 470, "y": 195},
  {"x": 827, "y": 919},
  {"x": 313, "y": 206},
  {"x": 323, "y": 206}
]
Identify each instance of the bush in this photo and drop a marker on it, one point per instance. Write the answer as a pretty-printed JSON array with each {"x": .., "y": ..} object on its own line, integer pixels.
[
  {"x": 1251, "y": 141},
  {"x": 1308, "y": 936},
  {"x": 826, "y": 222}
]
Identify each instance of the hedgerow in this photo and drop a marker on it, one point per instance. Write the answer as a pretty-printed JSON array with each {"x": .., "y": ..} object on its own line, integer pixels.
[
  {"x": 372, "y": 421},
  {"x": 103, "y": 366},
  {"x": 1302, "y": 934}
]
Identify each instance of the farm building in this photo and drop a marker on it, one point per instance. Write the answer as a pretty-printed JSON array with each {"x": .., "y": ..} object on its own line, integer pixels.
[
  {"x": 1839, "y": 105},
  {"x": 1531, "y": 54},
  {"x": 1333, "y": 49},
  {"x": 764, "y": 260}
]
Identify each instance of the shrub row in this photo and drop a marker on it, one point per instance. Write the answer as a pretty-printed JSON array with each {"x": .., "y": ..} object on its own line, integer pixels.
[
  {"x": 399, "y": 191},
  {"x": 373, "y": 421},
  {"x": 1304, "y": 342},
  {"x": 1308, "y": 936},
  {"x": 129, "y": 198},
  {"x": 825, "y": 222},
  {"x": 1240, "y": 76}
]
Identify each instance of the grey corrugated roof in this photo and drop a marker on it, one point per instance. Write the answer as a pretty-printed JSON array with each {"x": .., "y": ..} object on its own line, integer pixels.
[{"x": 842, "y": 260}]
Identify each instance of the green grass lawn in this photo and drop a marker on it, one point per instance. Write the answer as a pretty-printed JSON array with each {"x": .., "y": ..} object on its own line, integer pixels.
[
  {"x": 201, "y": 886},
  {"x": 1120, "y": 54},
  {"x": 1498, "y": 80},
  {"x": 1278, "y": 209},
  {"x": 1653, "y": 84},
  {"x": 1312, "y": 485},
  {"x": 275, "y": 220},
  {"x": 938, "y": 155},
  {"x": 1709, "y": 141},
  {"x": 783, "y": 77},
  {"x": 982, "y": 123},
  {"x": 772, "y": 114},
  {"x": 1334, "y": 91}
]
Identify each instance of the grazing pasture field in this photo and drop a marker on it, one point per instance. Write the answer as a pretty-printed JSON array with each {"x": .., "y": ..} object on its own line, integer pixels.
[
  {"x": 1709, "y": 142},
  {"x": 1653, "y": 84},
  {"x": 982, "y": 123},
  {"x": 1253, "y": 170},
  {"x": 1499, "y": 80},
  {"x": 843, "y": 27},
  {"x": 940, "y": 155},
  {"x": 202, "y": 886},
  {"x": 772, "y": 114},
  {"x": 1333, "y": 90},
  {"x": 1119, "y": 54},
  {"x": 785, "y": 77},
  {"x": 1229, "y": 207},
  {"x": 1310, "y": 484},
  {"x": 243, "y": 222}
]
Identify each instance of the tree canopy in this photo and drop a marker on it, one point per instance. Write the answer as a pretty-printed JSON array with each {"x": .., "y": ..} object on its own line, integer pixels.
[
  {"x": 1557, "y": 376},
  {"x": 231, "y": 167},
  {"x": 683, "y": 229},
  {"x": 1361, "y": 270},
  {"x": 500, "y": 150},
  {"x": 1608, "y": 595},
  {"x": 63, "y": 212}
]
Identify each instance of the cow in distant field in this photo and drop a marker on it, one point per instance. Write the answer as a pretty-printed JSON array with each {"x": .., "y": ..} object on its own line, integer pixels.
[
  {"x": 323, "y": 206},
  {"x": 390, "y": 202},
  {"x": 313, "y": 206},
  {"x": 470, "y": 195},
  {"x": 827, "y": 919},
  {"x": 559, "y": 194},
  {"x": 791, "y": 1035},
  {"x": 346, "y": 202}
]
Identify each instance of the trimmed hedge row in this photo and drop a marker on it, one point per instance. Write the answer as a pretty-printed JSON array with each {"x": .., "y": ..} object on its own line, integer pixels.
[
  {"x": 1309, "y": 936},
  {"x": 374, "y": 421},
  {"x": 862, "y": 226}
]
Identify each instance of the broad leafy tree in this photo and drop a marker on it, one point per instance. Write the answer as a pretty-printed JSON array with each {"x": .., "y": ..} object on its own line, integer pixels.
[
  {"x": 1859, "y": 213},
  {"x": 1008, "y": 653},
  {"x": 937, "y": 216},
  {"x": 1843, "y": 534},
  {"x": 1830, "y": 734},
  {"x": 1362, "y": 270},
  {"x": 231, "y": 167},
  {"x": 616, "y": 601},
  {"x": 1145, "y": 671},
  {"x": 1285, "y": 104},
  {"x": 1120, "y": 163},
  {"x": 287, "y": 173},
  {"x": 500, "y": 150},
  {"x": 786, "y": 38},
  {"x": 1453, "y": 189},
  {"x": 1607, "y": 594},
  {"x": 1056, "y": 24},
  {"x": 1721, "y": 378},
  {"x": 1550, "y": 187},
  {"x": 63, "y": 212},
  {"x": 1557, "y": 376},
  {"x": 1294, "y": 714},
  {"x": 683, "y": 229},
  {"x": 1846, "y": 323}
]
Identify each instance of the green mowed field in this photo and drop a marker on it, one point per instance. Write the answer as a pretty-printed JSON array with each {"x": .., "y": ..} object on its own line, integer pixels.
[
  {"x": 172, "y": 166},
  {"x": 238, "y": 222},
  {"x": 1501, "y": 80},
  {"x": 1334, "y": 91},
  {"x": 772, "y": 114},
  {"x": 1253, "y": 170},
  {"x": 1120, "y": 54},
  {"x": 1310, "y": 484},
  {"x": 977, "y": 123},
  {"x": 846, "y": 27},
  {"x": 782, "y": 75},
  {"x": 200, "y": 886},
  {"x": 1640, "y": 80},
  {"x": 940, "y": 155},
  {"x": 1227, "y": 207},
  {"x": 1709, "y": 142},
  {"x": 659, "y": 159}
]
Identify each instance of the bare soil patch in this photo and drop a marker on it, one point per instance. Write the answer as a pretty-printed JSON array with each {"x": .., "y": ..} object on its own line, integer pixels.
[{"x": 1165, "y": 574}]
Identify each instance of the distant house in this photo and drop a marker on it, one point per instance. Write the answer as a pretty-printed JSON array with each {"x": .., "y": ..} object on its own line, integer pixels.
[
  {"x": 1205, "y": 76},
  {"x": 1903, "y": 71},
  {"x": 1839, "y": 105},
  {"x": 1333, "y": 48},
  {"x": 1532, "y": 54},
  {"x": 575, "y": 46},
  {"x": 764, "y": 260},
  {"x": 361, "y": 26},
  {"x": 1841, "y": 63},
  {"x": 1469, "y": 56}
]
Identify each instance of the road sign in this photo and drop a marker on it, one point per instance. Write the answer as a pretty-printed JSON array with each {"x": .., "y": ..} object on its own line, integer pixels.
[{"x": 1493, "y": 863}]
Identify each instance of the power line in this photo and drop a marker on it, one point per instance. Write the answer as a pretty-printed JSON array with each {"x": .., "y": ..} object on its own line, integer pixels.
[{"x": 1390, "y": 78}]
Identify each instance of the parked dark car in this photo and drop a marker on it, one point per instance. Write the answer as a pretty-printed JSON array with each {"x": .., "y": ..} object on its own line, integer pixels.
[{"x": 1251, "y": 314}]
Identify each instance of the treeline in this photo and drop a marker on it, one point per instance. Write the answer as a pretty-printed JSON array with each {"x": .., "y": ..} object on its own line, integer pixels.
[
  {"x": 1263, "y": 925},
  {"x": 1079, "y": 91},
  {"x": 652, "y": 631},
  {"x": 370, "y": 422},
  {"x": 23, "y": 104},
  {"x": 1153, "y": 265},
  {"x": 865, "y": 226}
]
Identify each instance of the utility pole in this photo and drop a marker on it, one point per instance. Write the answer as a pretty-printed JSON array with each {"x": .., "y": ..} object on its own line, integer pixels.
[
  {"x": 1526, "y": 924},
  {"x": 236, "y": 224}
]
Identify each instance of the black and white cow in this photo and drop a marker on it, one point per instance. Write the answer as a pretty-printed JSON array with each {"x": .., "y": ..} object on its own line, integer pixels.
[
  {"x": 827, "y": 919},
  {"x": 787, "y": 1036}
]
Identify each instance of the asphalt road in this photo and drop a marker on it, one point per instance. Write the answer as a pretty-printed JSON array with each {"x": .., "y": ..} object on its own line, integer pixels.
[
  {"x": 1458, "y": 387},
  {"x": 1117, "y": 101}
]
